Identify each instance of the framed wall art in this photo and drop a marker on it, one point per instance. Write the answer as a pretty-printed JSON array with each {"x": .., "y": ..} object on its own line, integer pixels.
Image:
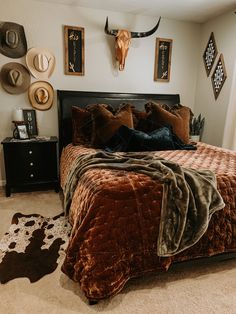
[
  {"x": 74, "y": 50},
  {"x": 29, "y": 116},
  {"x": 210, "y": 54},
  {"x": 162, "y": 59},
  {"x": 219, "y": 76}
]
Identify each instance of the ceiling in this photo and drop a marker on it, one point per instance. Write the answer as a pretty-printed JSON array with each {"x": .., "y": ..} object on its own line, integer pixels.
[{"x": 198, "y": 11}]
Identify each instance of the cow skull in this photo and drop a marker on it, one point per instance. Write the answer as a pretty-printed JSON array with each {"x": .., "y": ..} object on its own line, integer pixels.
[{"x": 123, "y": 40}]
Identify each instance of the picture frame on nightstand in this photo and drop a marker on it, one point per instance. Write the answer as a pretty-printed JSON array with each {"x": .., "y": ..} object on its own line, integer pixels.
[
  {"x": 22, "y": 130},
  {"x": 30, "y": 119}
]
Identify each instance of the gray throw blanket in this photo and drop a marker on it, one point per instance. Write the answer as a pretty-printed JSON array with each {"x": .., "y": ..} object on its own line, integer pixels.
[{"x": 189, "y": 198}]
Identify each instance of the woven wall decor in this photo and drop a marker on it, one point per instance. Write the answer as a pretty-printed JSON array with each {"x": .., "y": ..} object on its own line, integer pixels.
[
  {"x": 219, "y": 76},
  {"x": 210, "y": 54}
]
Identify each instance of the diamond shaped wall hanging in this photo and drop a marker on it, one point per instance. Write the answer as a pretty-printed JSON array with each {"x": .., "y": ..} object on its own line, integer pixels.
[
  {"x": 210, "y": 54},
  {"x": 219, "y": 76}
]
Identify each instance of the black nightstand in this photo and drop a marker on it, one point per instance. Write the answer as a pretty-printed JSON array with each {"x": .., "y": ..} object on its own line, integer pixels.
[{"x": 31, "y": 164}]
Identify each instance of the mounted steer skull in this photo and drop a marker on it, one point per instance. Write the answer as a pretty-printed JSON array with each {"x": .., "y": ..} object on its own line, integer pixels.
[{"x": 123, "y": 39}]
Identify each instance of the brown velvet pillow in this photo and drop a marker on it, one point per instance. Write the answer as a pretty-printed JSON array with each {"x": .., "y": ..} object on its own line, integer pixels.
[
  {"x": 81, "y": 126},
  {"x": 143, "y": 121},
  {"x": 105, "y": 123},
  {"x": 178, "y": 117},
  {"x": 138, "y": 116}
]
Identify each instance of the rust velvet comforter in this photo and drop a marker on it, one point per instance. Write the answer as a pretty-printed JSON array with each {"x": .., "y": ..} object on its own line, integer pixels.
[{"x": 115, "y": 216}]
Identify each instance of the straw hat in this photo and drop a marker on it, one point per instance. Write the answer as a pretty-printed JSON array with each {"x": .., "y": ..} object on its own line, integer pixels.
[
  {"x": 40, "y": 63},
  {"x": 12, "y": 40},
  {"x": 15, "y": 78},
  {"x": 41, "y": 95}
]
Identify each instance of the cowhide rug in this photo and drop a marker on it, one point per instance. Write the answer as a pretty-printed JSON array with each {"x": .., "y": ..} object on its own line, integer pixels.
[{"x": 33, "y": 246}]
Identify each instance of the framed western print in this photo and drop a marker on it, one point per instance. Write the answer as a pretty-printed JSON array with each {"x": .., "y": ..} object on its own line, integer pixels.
[
  {"x": 74, "y": 50},
  {"x": 162, "y": 59},
  {"x": 210, "y": 54}
]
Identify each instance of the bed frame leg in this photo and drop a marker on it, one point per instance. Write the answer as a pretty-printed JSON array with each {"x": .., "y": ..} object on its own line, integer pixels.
[{"x": 93, "y": 302}]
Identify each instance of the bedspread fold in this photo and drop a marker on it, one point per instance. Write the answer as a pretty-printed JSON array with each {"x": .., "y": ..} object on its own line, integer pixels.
[{"x": 190, "y": 197}]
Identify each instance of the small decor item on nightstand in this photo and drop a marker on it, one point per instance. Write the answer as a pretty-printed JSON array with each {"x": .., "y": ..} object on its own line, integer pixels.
[
  {"x": 30, "y": 119},
  {"x": 219, "y": 76},
  {"x": 21, "y": 130},
  {"x": 196, "y": 128},
  {"x": 17, "y": 118},
  {"x": 210, "y": 54},
  {"x": 17, "y": 115}
]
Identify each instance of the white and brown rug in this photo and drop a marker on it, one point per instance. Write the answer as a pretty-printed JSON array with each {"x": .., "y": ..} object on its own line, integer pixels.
[{"x": 33, "y": 246}]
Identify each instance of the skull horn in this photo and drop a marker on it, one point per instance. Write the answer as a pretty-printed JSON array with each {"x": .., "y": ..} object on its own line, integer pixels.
[
  {"x": 112, "y": 32},
  {"x": 145, "y": 34}
]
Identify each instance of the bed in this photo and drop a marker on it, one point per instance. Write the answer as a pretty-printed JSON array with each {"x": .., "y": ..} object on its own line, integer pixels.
[{"x": 116, "y": 213}]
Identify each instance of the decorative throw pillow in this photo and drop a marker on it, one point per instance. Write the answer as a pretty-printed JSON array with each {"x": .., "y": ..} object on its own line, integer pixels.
[
  {"x": 105, "y": 123},
  {"x": 107, "y": 106},
  {"x": 143, "y": 122},
  {"x": 138, "y": 117},
  {"x": 81, "y": 126},
  {"x": 177, "y": 117}
]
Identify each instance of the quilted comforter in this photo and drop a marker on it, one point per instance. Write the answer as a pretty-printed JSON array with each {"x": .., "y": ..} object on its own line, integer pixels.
[{"x": 115, "y": 216}]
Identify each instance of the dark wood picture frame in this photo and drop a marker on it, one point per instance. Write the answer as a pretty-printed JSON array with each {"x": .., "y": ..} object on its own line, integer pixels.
[
  {"x": 163, "y": 53},
  {"x": 210, "y": 54},
  {"x": 22, "y": 130},
  {"x": 30, "y": 119},
  {"x": 74, "y": 50},
  {"x": 219, "y": 76}
]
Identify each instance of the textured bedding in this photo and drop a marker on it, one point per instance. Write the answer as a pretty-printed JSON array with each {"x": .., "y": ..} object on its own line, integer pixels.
[{"x": 115, "y": 216}]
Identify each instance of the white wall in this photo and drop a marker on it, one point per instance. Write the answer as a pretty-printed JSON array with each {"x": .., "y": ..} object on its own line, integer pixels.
[
  {"x": 215, "y": 111},
  {"x": 43, "y": 23},
  {"x": 229, "y": 138}
]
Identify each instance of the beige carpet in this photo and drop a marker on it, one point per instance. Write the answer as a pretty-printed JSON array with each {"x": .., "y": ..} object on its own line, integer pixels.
[{"x": 196, "y": 287}]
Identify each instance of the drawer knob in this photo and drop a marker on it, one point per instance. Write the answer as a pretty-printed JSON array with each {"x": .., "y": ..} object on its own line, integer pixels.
[
  {"x": 30, "y": 152},
  {"x": 31, "y": 164},
  {"x": 31, "y": 175}
]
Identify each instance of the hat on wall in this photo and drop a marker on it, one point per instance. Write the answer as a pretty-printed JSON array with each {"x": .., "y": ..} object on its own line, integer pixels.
[
  {"x": 41, "y": 95},
  {"x": 40, "y": 62},
  {"x": 12, "y": 40},
  {"x": 15, "y": 78}
]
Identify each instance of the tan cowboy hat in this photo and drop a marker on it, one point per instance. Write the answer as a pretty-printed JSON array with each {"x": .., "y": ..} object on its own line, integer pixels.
[
  {"x": 41, "y": 95},
  {"x": 40, "y": 62},
  {"x": 15, "y": 78},
  {"x": 12, "y": 40}
]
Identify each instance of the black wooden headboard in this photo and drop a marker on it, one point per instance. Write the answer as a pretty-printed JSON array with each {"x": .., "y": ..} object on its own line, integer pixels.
[{"x": 67, "y": 99}]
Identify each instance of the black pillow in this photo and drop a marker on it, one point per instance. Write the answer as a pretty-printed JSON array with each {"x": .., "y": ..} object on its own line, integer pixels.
[{"x": 126, "y": 139}]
